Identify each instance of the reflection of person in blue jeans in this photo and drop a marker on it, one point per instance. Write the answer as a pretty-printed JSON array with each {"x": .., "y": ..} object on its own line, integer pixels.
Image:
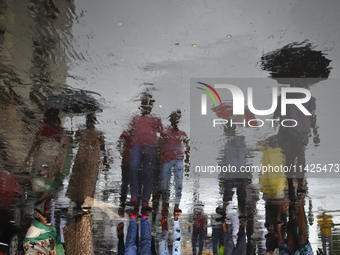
[
  {"x": 171, "y": 149},
  {"x": 163, "y": 241},
  {"x": 241, "y": 246},
  {"x": 144, "y": 129},
  {"x": 199, "y": 230},
  {"x": 131, "y": 237}
]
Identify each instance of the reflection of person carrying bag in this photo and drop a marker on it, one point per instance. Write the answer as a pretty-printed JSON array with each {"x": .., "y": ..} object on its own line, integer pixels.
[{"x": 78, "y": 236}]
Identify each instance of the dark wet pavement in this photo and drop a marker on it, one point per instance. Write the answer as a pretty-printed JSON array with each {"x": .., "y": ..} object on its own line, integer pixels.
[{"x": 74, "y": 74}]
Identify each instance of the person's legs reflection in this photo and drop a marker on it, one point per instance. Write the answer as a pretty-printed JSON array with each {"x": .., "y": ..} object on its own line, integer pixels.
[
  {"x": 131, "y": 237},
  {"x": 163, "y": 240},
  {"x": 149, "y": 165},
  {"x": 194, "y": 241},
  {"x": 120, "y": 233},
  {"x": 227, "y": 239},
  {"x": 124, "y": 188},
  {"x": 178, "y": 177},
  {"x": 176, "y": 245},
  {"x": 201, "y": 242},
  {"x": 135, "y": 162},
  {"x": 145, "y": 241},
  {"x": 241, "y": 246},
  {"x": 291, "y": 228},
  {"x": 166, "y": 176}
]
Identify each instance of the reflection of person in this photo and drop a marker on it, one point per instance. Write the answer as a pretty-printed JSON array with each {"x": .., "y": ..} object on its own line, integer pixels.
[
  {"x": 229, "y": 246},
  {"x": 199, "y": 230},
  {"x": 294, "y": 139},
  {"x": 143, "y": 129},
  {"x": 325, "y": 223},
  {"x": 41, "y": 237},
  {"x": 272, "y": 186},
  {"x": 296, "y": 243},
  {"x": 48, "y": 153},
  {"x": 163, "y": 241},
  {"x": 171, "y": 146},
  {"x": 292, "y": 62},
  {"x": 132, "y": 235},
  {"x": 124, "y": 144},
  {"x": 234, "y": 155},
  {"x": 217, "y": 233},
  {"x": 86, "y": 165}
]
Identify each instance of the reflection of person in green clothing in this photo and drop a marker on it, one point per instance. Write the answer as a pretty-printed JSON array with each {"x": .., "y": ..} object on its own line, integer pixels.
[{"x": 41, "y": 237}]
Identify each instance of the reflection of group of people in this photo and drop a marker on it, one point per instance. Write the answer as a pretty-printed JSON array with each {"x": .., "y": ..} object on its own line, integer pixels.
[
  {"x": 150, "y": 152},
  {"x": 151, "y": 155},
  {"x": 51, "y": 156}
]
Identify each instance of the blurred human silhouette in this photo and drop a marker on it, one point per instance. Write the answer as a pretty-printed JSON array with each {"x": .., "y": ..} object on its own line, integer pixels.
[
  {"x": 174, "y": 144},
  {"x": 42, "y": 237},
  {"x": 234, "y": 155},
  {"x": 163, "y": 241},
  {"x": 294, "y": 139},
  {"x": 298, "y": 65},
  {"x": 297, "y": 240},
  {"x": 325, "y": 224},
  {"x": 144, "y": 129},
  {"x": 48, "y": 154},
  {"x": 86, "y": 166},
  {"x": 217, "y": 232},
  {"x": 229, "y": 246},
  {"x": 132, "y": 243},
  {"x": 273, "y": 184},
  {"x": 199, "y": 229},
  {"x": 124, "y": 145}
]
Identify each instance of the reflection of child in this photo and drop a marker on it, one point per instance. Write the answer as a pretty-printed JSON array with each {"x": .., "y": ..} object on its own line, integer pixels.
[{"x": 41, "y": 237}]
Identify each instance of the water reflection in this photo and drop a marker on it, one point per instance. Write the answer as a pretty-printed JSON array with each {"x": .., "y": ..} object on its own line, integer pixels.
[{"x": 60, "y": 190}]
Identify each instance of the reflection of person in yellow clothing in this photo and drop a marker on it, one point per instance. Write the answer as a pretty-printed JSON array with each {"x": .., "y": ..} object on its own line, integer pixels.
[
  {"x": 272, "y": 182},
  {"x": 272, "y": 186},
  {"x": 325, "y": 223}
]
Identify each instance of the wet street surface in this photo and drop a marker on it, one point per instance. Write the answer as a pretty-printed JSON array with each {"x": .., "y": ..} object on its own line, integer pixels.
[{"x": 120, "y": 112}]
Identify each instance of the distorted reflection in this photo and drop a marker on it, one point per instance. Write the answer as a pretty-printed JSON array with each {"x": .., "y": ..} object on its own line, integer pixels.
[{"x": 80, "y": 173}]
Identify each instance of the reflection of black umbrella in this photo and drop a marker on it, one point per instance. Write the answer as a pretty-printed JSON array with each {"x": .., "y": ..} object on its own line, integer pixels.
[
  {"x": 296, "y": 60},
  {"x": 73, "y": 101}
]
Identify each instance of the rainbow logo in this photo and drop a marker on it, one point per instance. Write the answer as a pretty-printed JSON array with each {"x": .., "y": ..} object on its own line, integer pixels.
[{"x": 209, "y": 93}]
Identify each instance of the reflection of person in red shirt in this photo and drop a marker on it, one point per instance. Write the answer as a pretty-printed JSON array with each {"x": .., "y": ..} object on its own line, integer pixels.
[
  {"x": 199, "y": 229},
  {"x": 144, "y": 131},
  {"x": 172, "y": 144}
]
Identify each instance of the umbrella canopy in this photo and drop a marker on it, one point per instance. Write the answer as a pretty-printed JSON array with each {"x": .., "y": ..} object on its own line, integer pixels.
[
  {"x": 78, "y": 102},
  {"x": 296, "y": 60}
]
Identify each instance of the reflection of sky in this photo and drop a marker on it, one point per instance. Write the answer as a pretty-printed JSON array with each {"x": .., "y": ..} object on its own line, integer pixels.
[
  {"x": 127, "y": 43},
  {"x": 124, "y": 44}
]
